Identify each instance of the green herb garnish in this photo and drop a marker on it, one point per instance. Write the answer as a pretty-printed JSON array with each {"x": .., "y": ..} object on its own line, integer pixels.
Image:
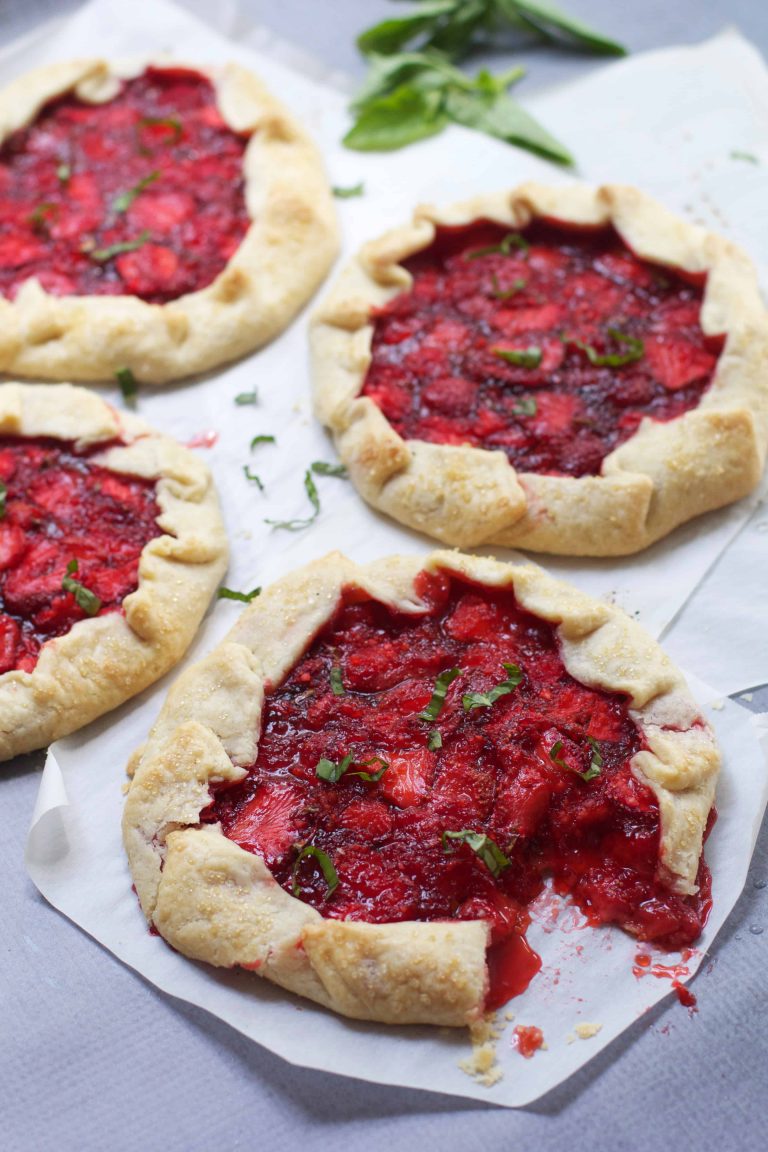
[
  {"x": 128, "y": 386},
  {"x": 63, "y": 173},
  {"x": 243, "y": 597},
  {"x": 500, "y": 293},
  {"x": 349, "y": 193},
  {"x": 262, "y": 440},
  {"x": 42, "y": 214},
  {"x": 521, "y": 357},
  {"x": 330, "y": 874},
  {"x": 512, "y": 242},
  {"x": 247, "y": 397},
  {"x": 321, "y": 468},
  {"x": 84, "y": 598},
  {"x": 635, "y": 349},
  {"x": 170, "y": 122},
  {"x": 337, "y": 685},
  {"x": 3, "y": 499},
  {"x": 472, "y": 700},
  {"x": 101, "y": 255},
  {"x": 253, "y": 477},
  {"x": 526, "y": 406},
  {"x": 595, "y": 764},
  {"x": 435, "y": 740},
  {"x": 123, "y": 202},
  {"x": 314, "y": 499},
  {"x": 442, "y": 684},
  {"x": 333, "y": 772},
  {"x": 750, "y": 157},
  {"x": 483, "y": 847}
]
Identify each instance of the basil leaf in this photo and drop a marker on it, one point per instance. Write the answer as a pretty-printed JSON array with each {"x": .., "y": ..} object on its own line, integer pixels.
[
  {"x": 63, "y": 173},
  {"x": 483, "y": 846},
  {"x": 390, "y": 35},
  {"x": 596, "y": 762},
  {"x": 512, "y": 242},
  {"x": 328, "y": 770},
  {"x": 455, "y": 36},
  {"x": 485, "y": 699},
  {"x": 427, "y": 71},
  {"x": 123, "y": 202},
  {"x": 253, "y": 477},
  {"x": 101, "y": 255},
  {"x": 551, "y": 23},
  {"x": 435, "y": 740},
  {"x": 3, "y": 500},
  {"x": 555, "y": 757},
  {"x": 320, "y": 468},
  {"x": 526, "y": 406},
  {"x": 350, "y": 192},
  {"x": 500, "y": 293},
  {"x": 389, "y": 122},
  {"x": 330, "y": 874},
  {"x": 84, "y": 598},
  {"x": 128, "y": 386},
  {"x": 243, "y": 597},
  {"x": 247, "y": 398},
  {"x": 262, "y": 440},
  {"x": 337, "y": 684},
  {"x": 372, "y": 777},
  {"x": 504, "y": 118},
  {"x": 522, "y": 357},
  {"x": 442, "y": 684},
  {"x": 314, "y": 499},
  {"x": 635, "y": 350}
]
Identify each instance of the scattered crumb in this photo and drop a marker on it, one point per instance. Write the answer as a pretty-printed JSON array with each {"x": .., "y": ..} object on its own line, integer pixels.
[
  {"x": 482, "y": 1065},
  {"x": 587, "y": 1031},
  {"x": 509, "y": 1015},
  {"x": 717, "y": 705},
  {"x": 570, "y": 1038},
  {"x": 746, "y": 696}
]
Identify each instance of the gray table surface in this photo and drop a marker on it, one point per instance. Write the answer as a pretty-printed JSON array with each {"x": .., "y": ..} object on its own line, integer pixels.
[{"x": 92, "y": 1057}]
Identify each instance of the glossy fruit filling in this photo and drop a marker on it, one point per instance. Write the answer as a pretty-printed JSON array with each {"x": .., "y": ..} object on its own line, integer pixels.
[
  {"x": 59, "y": 507},
  {"x": 550, "y": 345},
  {"x": 142, "y": 195},
  {"x": 455, "y": 810}
]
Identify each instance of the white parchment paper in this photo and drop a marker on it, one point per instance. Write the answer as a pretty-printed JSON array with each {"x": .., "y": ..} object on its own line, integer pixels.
[{"x": 620, "y": 126}]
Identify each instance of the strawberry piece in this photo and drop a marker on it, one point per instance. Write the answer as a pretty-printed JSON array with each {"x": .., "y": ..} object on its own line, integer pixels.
[
  {"x": 270, "y": 822},
  {"x": 12, "y": 544},
  {"x": 148, "y": 270},
  {"x": 555, "y": 411},
  {"x": 451, "y": 394},
  {"x": 676, "y": 364},
  {"x": 10, "y": 634},
  {"x": 409, "y": 776},
  {"x": 161, "y": 211}
]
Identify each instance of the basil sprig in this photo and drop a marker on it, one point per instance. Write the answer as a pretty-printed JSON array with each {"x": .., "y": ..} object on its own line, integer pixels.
[
  {"x": 128, "y": 386},
  {"x": 243, "y": 597},
  {"x": 635, "y": 350},
  {"x": 483, "y": 846},
  {"x": 84, "y": 598},
  {"x": 442, "y": 684},
  {"x": 330, "y": 875},
  {"x": 595, "y": 763},
  {"x": 332, "y": 772},
  {"x": 520, "y": 357},
  {"x": 101, "y": 255},
  {"x": 472, "y": 700},
  {"x": 123, "y": 202}
]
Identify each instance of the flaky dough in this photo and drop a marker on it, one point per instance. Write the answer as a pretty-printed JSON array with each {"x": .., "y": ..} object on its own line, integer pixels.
[
  {"x": 284, "y": 255},
  {"x": 663, "y": 475},
  {"x": 105, "y": 660},
  {"x": 214, "y": 901}
]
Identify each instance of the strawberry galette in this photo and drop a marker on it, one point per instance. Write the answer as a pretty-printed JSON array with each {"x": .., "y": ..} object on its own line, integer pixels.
[
  {"x": 111, "y": 545},
  {"x": 159, "y": 218},
  {"x": 563, "y": 369},
  {"x": 361, "y": 790}
]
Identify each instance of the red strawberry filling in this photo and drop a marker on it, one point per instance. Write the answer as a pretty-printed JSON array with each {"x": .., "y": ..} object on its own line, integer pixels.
[
  {"x": 142, "y": 195},
  {"x": 59, "y": 507},
  {"x": 550, "y": 346},
  {"x": 521, "y": 773}
]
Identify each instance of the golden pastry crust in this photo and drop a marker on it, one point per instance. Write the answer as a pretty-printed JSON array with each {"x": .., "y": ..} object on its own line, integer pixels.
[
  {"x": 214, "y": 901},
  {"x": 103, "y": 661},
  {"x": 665, "y": 474},
  {"x": 282, "y": 259}
]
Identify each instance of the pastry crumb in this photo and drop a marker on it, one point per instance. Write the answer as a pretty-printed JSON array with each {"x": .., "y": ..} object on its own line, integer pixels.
[
  {"x": 509, "y": 1015},
  {"x": 570, "y": 1038},
  {"x": 587, "y": 1031},
  {"x": 482, "y": 1064},
  {"x": 717, "y": 705}
]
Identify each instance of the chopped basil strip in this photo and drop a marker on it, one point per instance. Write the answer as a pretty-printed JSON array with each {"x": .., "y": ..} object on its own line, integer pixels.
[
  {"x": 522, "y": 357},
  {"x": 442, "y": 684},
  {"x": 332, "y": 772},
  {"x": 314, "y": 499},
  {"x": 483, "y": 847},
  {"x": 247, "y": 398},
  {"x": 321, "y": 468},
  {"x": 750, "y": 157},
  {"x": 84, "y": 598},
  {"x": 435, "y": 740},
  {"x": 635, "y": 349},
  {"x": 512, "y": 242},
  {"x": 555, "y": 757},
  {"x": 500, "y": 293},
  {"x": 253, "y": 477},
  {"x": 326, "y": 866},
  {"x": 101, "y": 255},
  {"x": 41, "y": 215},
  {"x": 63, "y": 173},
  {"x": 350, "y": 192},
  {"x": 123, "y": 202},
  {"x": 171, "y": 122},
  {"x": 243, "y": 597},
  {"x": 337, "y": 685},
  {"x": 596, "y": 763},
  {"x": 3, "y": 498},
  {"x": 485, "y": 699},
  {"x": 262, "y": 440},
  {"x": 526, "y": 406},
  {"x": 128, "y": 386}
]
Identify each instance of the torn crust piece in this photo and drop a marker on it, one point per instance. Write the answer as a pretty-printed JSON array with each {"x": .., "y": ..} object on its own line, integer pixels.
[
  {"x": 361, "y": 790},
  {"x": 111, "y": 546},
  {"x": 569, "y": 370},
  {"x": 153, "y": 216}
]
